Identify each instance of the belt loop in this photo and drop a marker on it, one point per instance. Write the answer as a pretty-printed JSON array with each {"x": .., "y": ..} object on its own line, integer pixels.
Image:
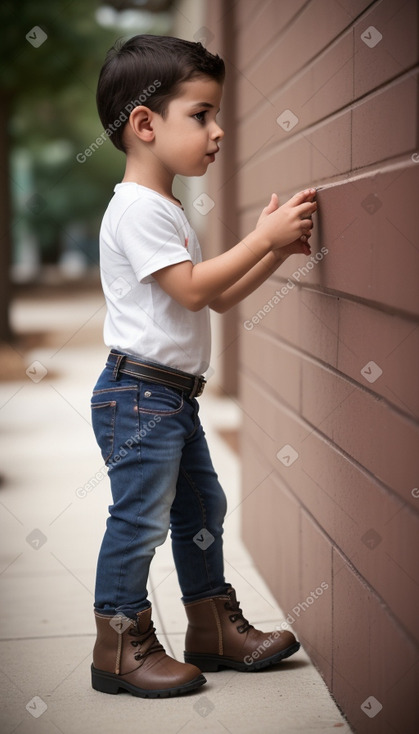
[{"x": 118, "y": 365}]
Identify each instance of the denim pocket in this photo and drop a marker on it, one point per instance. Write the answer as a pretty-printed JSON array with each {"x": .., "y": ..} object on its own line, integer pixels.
[
  {"x": 103, "y": 422},
  {"x": 159, "y": 400}
]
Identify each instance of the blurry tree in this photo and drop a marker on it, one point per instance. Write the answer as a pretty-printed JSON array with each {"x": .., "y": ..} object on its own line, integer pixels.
[
  {"x": 45, "y": 45},
  {"x": 50, "y": 56}
]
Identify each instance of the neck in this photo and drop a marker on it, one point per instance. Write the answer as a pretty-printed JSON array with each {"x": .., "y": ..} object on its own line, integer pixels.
[{"x": 154, "y": 177}]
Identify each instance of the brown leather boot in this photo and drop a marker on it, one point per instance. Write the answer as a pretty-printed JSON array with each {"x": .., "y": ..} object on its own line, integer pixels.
[
  {"x": 128, "y": 655},
  {"x": 218, "y": 636}
]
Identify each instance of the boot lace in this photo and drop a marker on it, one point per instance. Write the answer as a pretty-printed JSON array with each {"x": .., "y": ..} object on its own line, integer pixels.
[
  {"x": 234, "y": 606},
  {"x": 143, "y": 638}
]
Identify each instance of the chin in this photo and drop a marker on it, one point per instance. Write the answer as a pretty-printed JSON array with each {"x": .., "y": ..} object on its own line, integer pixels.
[{"x": 198, "y": 171}]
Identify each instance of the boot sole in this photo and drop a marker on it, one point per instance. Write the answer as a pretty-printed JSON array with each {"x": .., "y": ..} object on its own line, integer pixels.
[
  {"x": 213, "y": 663},
  {"x": 112, "y": 683}
]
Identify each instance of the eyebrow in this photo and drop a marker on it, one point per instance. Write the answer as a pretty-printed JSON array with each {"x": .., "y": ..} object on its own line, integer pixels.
[{"x": 203, "y": 104}]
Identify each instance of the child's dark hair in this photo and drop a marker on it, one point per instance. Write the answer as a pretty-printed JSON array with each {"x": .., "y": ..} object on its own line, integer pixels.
[{"x": 148, "y": 70}]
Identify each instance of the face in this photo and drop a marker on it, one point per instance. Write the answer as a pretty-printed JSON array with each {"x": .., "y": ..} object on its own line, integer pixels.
[{"x": 186, "y": 139}]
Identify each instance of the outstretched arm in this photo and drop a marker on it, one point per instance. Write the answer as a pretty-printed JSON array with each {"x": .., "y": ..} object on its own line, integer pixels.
[
  {"x": 260, "y": 272},
  {"x": 196, "y": 286}
]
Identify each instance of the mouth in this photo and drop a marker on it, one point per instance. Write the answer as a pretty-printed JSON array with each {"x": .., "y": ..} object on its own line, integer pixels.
[{"x": 211, "y": 155}]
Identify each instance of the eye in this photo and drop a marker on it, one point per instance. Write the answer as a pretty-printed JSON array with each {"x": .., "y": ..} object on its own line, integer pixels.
[{"x": 200, "y": 116}]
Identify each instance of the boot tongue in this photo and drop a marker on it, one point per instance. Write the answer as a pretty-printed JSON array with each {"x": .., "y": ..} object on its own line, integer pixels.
[
  {"x": 144, "y": 621},
  {"x": 235, "y": 607},
  {"x": 148, "y": 640}
]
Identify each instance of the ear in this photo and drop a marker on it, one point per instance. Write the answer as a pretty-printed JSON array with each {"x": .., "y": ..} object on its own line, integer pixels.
[{"x": 141, "y": 123}]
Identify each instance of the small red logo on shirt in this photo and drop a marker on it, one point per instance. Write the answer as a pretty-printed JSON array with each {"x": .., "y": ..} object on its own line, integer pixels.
[{"x": 186, "y": 242}]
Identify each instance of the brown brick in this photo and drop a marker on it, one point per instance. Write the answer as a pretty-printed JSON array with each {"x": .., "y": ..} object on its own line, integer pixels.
[
  {"x": 372, "y": 657},
  {"x": 281, "y": 321},
  {"x": 303, "y": 270},
  {"x": 273, "y": 364},
  {"x": 296, "y": 97},
  {"x": 363, "y": 223},
  {"x": 330, "y": 145},
  {"x": 257, "y": 470},
  {"x": 358, "y": 514},
  {"x": 249, "y": 96},
  {"x": 367, "y": 334},
  {"x": 272, "y": 553},
  {"x": 273, "y": 426},
  {"x": 254, "y": 509},
  {"x": 366, "y": 521},
  {"x": 314, "y": 612},
  {"x": 258, "y": 417},
  {"x": 254, "y": 473},
  {"x": 395, "y": 574},
  {"x": 394, "y": 53},
  {"x": 384, "y": 125},
  {"x": 321, "y": 89},
  {"x": 332, "y": 79},
  {"x": 398, "y": 286},
  {"x": 319, "y": 325},
  {"x": 323, "y": 392},
  {"x": 285, "y": 582},
  {"x": 261, "y": 25},
  {"x": 257, "y": 133},
  {"x": 380, "y": 439},
  {"x": 289, "y": 54},
  {"x": 245, "y": 14},
  {"x": 289, "y": 166}
]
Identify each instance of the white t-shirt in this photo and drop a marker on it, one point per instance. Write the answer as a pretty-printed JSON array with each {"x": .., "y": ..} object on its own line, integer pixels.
[{"x": 141, "y": 233}]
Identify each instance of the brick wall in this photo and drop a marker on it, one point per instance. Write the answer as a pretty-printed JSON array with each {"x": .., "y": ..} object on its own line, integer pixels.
[{"x": 326, "y": 94}]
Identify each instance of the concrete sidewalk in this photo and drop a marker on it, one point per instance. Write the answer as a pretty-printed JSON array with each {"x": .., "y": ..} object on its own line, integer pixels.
[{"x": 53, "y": 505}]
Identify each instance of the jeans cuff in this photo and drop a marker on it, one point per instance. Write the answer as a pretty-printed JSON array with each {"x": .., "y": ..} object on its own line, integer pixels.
[
  {"x": 123, "y": 611},
  {"x": 217, "y": 591}
]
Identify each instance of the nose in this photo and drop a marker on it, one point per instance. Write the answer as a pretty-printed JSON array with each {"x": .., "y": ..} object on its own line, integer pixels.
[{"x": 217, "y": 133}]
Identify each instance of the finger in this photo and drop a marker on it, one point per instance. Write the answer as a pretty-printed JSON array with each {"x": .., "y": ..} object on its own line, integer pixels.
[
  {"x": 303, "y": 196},
  {"x": 306, "y": 210},
  {"x": 298, "y": 248},
  {"x": 273, "y": 204},
  {"x": 306, "y": 226},
  {"x": 305, "y": 237}
]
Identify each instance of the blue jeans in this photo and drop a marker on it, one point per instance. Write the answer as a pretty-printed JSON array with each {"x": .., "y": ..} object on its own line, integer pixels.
[{"x": 161, "y": 477}]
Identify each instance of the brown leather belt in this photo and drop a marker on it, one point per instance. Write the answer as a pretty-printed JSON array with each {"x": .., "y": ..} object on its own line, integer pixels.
[{"x": 192, "y": 385}]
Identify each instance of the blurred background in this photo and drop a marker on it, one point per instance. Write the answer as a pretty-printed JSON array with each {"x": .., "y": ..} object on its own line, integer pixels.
[{"x": 51, "y": 201}]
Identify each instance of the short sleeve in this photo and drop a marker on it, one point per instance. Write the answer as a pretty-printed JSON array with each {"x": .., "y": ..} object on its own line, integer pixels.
[{"x": 152, "y": 236}]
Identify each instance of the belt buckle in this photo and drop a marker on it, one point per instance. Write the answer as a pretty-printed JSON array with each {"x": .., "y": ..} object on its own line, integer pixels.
[{"x": 198, "y": 387}]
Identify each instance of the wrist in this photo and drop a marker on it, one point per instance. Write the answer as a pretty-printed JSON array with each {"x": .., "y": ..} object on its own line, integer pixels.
[
  {"x": 277, "y": 257},
  {"x": 273, "y": 260},
  {"x": 258, "y": 242}
]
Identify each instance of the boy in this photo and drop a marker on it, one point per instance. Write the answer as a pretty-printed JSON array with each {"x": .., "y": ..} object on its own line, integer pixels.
[{"x": 159, "y": 98}]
